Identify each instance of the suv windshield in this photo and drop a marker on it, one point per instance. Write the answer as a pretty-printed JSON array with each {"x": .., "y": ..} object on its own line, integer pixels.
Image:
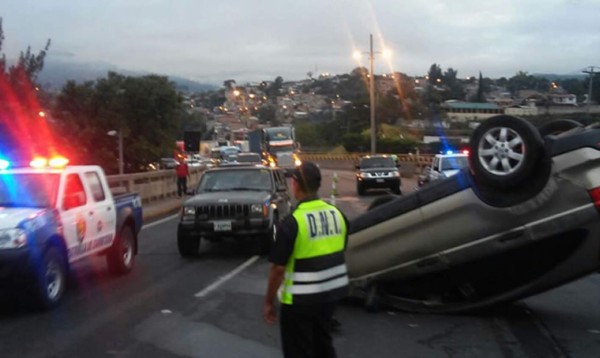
[
  {"x": 367, "y": 163},
  {"x": 454, "y": 163},
  {"x": 225, "y": 180},
  {"x": 28, "y": 190}
]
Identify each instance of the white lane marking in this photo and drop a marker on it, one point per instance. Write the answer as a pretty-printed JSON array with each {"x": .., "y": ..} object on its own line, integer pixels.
[
  {"x": 147, "y": 226},
  {"x": 227, "y": 277}
]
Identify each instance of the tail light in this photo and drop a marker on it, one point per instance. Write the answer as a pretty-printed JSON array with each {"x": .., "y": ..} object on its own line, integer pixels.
[{"x": 595, "y": 195}]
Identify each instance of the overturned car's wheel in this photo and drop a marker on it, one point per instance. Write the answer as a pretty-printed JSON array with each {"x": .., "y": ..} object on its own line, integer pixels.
[
  {"x": 505, "y": 151},
  {"x": 558, "y": 126}
]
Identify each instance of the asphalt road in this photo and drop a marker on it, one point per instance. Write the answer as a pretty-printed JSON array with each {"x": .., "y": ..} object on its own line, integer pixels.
[{"x": 211, "y": 307}]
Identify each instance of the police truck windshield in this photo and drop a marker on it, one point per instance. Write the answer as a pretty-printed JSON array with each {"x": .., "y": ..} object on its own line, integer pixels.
[{"x": 28, "y": 190}]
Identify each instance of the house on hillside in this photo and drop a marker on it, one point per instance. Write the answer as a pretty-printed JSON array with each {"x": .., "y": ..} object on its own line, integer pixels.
[{"x": 458, "y": 111}]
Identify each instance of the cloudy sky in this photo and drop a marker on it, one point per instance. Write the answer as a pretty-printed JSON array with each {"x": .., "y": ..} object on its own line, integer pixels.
[{"x": 211, "y": 41}]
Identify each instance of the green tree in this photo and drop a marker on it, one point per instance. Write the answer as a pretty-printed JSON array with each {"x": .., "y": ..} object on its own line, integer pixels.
[
  {"x": 22, "y": 130},
  {"x": 434, "y": 74},
  {"x": 455, "y": 88},
  {"x": 147, "y": 110},
  {"x": 272, "y": 91},
  {"x": 266, "y": 113},
  {"x": 480, "y": 97}
]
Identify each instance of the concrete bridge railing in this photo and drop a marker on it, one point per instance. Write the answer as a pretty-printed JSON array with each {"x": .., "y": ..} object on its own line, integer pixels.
[{"x": 162, "y": 184}]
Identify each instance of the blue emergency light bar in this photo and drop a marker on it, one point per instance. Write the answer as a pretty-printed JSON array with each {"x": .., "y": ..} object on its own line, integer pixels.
[{"x": 4, "y": 164}]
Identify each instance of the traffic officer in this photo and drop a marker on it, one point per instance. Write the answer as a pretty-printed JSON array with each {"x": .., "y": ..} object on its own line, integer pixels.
[{"x": 308, "y": 268}]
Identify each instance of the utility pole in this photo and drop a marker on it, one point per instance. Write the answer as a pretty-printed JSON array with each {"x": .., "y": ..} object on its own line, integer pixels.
[
  {"x": 372, "y": 92},
  {"x": 371, "y": 54},
  {"x": 590, "y": 71}
]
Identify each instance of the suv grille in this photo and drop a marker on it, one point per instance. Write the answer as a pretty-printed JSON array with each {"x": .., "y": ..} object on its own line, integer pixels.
[{"x": 224, "y": 211}]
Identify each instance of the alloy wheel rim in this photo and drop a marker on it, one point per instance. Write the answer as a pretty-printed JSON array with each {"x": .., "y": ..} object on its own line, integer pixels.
[
  {"x": 54, "y": 280},
  {"x": 501, "y": 151}
]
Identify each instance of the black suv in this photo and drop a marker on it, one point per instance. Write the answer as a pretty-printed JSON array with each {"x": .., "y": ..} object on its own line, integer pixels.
[
  {"x": 377, "y": 171},
  {"x": 237, "y": 201}
]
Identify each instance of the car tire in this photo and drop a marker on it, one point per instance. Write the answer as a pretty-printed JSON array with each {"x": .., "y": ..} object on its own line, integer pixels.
[
  {"x": 51, "y": 278},
  {"x": 188, "y": 246},
  {"x": 505, "y": 151},
  {"x": 269, "y": 239},
  {"x": 558, "y": 126},
  {"x": 121, "y": 256},
  {"x": 373, "y": 300},
  {"x": 360, "y": 189}
]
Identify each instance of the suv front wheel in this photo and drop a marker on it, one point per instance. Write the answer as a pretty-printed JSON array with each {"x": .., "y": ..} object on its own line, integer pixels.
[{"x": 360, "y": 188}]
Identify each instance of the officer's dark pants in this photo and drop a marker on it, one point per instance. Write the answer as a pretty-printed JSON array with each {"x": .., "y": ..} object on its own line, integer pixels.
[
  {"x": 181, "y": 186},
  {"x": 305, "y": 330}
]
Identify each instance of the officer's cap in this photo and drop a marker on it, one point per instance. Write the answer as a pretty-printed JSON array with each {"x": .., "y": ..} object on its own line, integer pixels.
[{"x": 308, "y": 175}]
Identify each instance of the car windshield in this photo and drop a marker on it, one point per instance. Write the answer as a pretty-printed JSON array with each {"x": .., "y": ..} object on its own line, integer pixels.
[
  {"x": 454, "y": 163},
  {"x": 226, "y": 180},
  {"x": 249, "y": 158},
  {"x": 281, "y": 148},
  {"x": 28, "y": 190},
  {"x": 367, "y": 163}
]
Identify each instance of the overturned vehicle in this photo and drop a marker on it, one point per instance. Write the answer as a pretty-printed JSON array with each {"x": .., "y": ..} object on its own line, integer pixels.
[{"x": 521, "y": 219}]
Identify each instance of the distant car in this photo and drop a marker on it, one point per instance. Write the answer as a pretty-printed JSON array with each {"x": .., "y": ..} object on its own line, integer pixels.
[
  {"x": 241, "y": 202},
  {"x": 168, "y": 163},
  {"x": 524, "y": 217},
  {"x": 444, "y": 166},
  {"x": 377, "y": 171},
  {"x": 193, "y": 163}
]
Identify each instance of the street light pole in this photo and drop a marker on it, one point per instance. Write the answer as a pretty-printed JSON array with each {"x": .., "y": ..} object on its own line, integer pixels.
[
  {"x": 121, "y": 164},
  {"x": 119, "y": 135},
  {"x": 371, "y": 54},
  {"x": 372, "y": 95}
]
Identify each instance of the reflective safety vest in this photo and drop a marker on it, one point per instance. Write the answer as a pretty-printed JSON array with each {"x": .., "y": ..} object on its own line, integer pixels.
[{"x": 316, "y": 271}]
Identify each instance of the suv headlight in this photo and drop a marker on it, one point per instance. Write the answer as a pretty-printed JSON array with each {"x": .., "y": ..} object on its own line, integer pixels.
[
  {"x": 260, "y": 209},
  {"x": 256, "y": 208},
  {"x": 364, "y": 175},
  {"x": 12, "y": 239},
  {"x": 395, "y": 174},
  {"x": 188, "y": 212}
]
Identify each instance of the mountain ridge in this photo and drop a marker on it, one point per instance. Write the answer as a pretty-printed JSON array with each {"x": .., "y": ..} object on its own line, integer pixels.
[{"x": 56, "y": 73}]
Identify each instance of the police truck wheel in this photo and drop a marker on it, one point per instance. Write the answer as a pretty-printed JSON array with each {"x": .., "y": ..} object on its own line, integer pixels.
[
  {"x": 51, "y": 278},
  {"x": 188, "y": 246},
  {"x": 121, "y": 256}
]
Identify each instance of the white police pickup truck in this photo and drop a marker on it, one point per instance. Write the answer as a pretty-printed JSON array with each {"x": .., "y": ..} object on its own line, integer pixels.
[{"x": 52, "y": 215}]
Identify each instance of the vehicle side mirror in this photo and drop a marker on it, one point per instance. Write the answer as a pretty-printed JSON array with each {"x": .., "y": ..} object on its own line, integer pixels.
[
  {"x": 398, "y": 165},
  {"x": 357, "y": 166},
  {"x": 281, "y": 188}
]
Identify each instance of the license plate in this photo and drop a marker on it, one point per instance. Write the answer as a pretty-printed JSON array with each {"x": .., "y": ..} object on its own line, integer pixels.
[
  {"x": 379, "y": 180},
  {"x": 222, "y": 225}
]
